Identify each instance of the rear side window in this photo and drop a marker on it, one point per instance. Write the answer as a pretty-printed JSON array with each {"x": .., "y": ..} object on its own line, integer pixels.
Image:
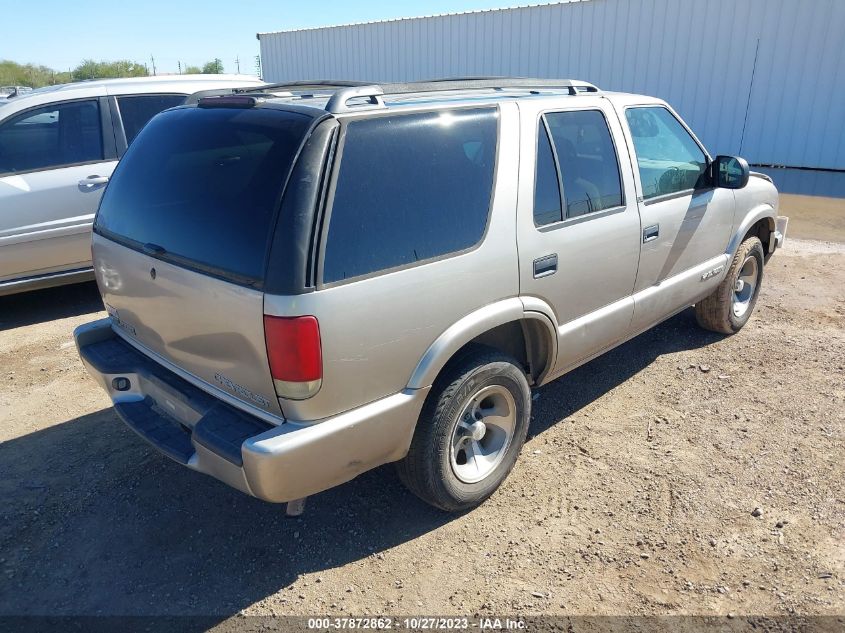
[
  {"x": 53, "y": 136},
  {"x": 669, "y": 159},
  {"x": 201, "y": 186},
  {"x": 410, "y": 188},
  {"x": 587, "y": 160},
  {"x": 137, "y": 110}
]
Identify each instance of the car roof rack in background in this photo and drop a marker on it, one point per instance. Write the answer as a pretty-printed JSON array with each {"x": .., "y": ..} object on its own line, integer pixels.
[{"x": 342, "y": 92}]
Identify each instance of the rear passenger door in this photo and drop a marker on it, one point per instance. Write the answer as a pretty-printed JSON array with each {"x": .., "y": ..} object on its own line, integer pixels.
[{"x": 578, "y": 225}]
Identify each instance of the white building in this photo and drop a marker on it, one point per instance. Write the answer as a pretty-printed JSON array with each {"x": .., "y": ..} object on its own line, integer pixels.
[{"x": 759, "y": 78}]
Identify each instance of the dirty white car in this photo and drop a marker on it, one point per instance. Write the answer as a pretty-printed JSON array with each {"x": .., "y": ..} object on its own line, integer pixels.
[{"x": 58, "y": 148}]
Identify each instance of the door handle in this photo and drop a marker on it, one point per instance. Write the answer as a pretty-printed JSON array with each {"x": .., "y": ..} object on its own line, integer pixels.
[
  {"x": 92, "y": 182},
  {"x": 650, "y": 233},
  {"x": 545, "y": 266}
]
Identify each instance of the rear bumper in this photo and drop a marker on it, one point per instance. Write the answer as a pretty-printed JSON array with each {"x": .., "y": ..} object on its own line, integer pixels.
[{"x": 274, "y": 463}]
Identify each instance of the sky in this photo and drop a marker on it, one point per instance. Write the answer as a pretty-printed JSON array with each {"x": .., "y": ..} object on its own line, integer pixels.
[{"x": 61, "y": 33}]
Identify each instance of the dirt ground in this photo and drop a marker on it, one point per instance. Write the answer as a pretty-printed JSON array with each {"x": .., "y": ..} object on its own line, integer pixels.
[
  {"x": 814, "y": 217},
  {"x": 635, "y": 493}
]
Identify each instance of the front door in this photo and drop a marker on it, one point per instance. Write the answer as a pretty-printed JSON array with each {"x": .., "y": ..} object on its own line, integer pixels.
[
  {"x": 53, "y": 168},
  {"x": 686, "y": 221},
  {"x": 578, "y": 225}
]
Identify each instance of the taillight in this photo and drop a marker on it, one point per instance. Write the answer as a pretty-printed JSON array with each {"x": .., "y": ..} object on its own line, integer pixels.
[{"x": 295, "y": 355}]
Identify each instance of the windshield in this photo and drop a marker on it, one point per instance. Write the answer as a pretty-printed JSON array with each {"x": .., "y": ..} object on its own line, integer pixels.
[{"x": 200, "y": 187}]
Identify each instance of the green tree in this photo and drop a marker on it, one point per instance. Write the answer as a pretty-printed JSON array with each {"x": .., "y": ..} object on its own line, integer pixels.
[
  {"x": 14, "y": 74},
  {"x": 193, "y": 70},
  {"x": 90, "y": 69},
  {"x": 214, "y": 67}
]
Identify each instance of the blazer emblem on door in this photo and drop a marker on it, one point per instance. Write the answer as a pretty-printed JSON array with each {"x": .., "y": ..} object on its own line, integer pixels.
[{"x": 712, "y": 273}]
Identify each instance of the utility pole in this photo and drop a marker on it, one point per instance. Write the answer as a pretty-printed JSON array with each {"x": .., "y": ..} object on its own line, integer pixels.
[
  {"x": 153, "y": 64},
  {"x": 238, "y": 64}
]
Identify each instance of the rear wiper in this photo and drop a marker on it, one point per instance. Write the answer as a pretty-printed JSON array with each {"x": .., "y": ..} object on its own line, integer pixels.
[{"x": 155, "y": 250}]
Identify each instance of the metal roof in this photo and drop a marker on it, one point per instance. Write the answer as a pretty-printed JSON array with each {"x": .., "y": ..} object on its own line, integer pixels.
[{"x": 418, "y": 17}]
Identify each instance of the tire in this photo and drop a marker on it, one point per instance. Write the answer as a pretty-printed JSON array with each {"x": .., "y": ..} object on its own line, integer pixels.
[
  {"x": 728, "y": 308},
  {"x": 474, "y": 387}
]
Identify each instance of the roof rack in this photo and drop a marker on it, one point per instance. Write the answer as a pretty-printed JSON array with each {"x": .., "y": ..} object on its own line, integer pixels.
[
  {"x": 342, "y": 92},
  {"x": 316, "y": 85},
  {"x": 374, "y": 92},
  {"x": 320, "y": 85}
]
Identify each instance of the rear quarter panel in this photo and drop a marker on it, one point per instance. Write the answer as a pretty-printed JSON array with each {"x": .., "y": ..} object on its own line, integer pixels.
[{"x": 376, "y": 330}]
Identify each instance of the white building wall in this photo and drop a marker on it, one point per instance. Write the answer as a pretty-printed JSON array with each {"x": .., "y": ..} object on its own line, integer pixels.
[{"x": 698, "y": 55}]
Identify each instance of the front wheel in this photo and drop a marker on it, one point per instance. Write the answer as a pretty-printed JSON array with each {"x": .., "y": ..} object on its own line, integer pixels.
[
  {"x": 470, "y": 431},
  {"x": 729, "y": 307}
]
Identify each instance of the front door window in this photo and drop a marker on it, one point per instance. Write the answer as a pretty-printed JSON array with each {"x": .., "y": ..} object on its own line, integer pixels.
[
  {"x": 668, "y": 158},
  {"x": 58, "y": 135}
]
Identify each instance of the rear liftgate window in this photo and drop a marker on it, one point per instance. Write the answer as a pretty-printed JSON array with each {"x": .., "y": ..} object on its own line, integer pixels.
[
  {"x": 410, "y": 188},
  {"x": 200, "y": 187}
]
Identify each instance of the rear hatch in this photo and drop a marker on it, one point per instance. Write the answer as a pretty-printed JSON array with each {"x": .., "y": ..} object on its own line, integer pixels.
[{"x": 182, "y": 236}]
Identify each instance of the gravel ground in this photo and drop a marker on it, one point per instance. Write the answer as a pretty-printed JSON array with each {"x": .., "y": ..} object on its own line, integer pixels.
[{"x": 681, "y": 473}]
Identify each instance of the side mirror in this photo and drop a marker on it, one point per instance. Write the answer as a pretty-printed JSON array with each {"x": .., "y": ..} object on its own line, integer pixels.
[{"x": 730, "y": 172}]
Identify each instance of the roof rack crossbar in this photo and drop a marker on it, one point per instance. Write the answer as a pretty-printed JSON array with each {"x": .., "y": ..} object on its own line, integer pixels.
[{"x": 339, "y": 100}]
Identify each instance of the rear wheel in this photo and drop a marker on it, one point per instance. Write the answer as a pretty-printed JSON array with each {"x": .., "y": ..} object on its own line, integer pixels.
[
  {"x": 731, "y": 304},
  {"x": 470, "y": 431}
]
